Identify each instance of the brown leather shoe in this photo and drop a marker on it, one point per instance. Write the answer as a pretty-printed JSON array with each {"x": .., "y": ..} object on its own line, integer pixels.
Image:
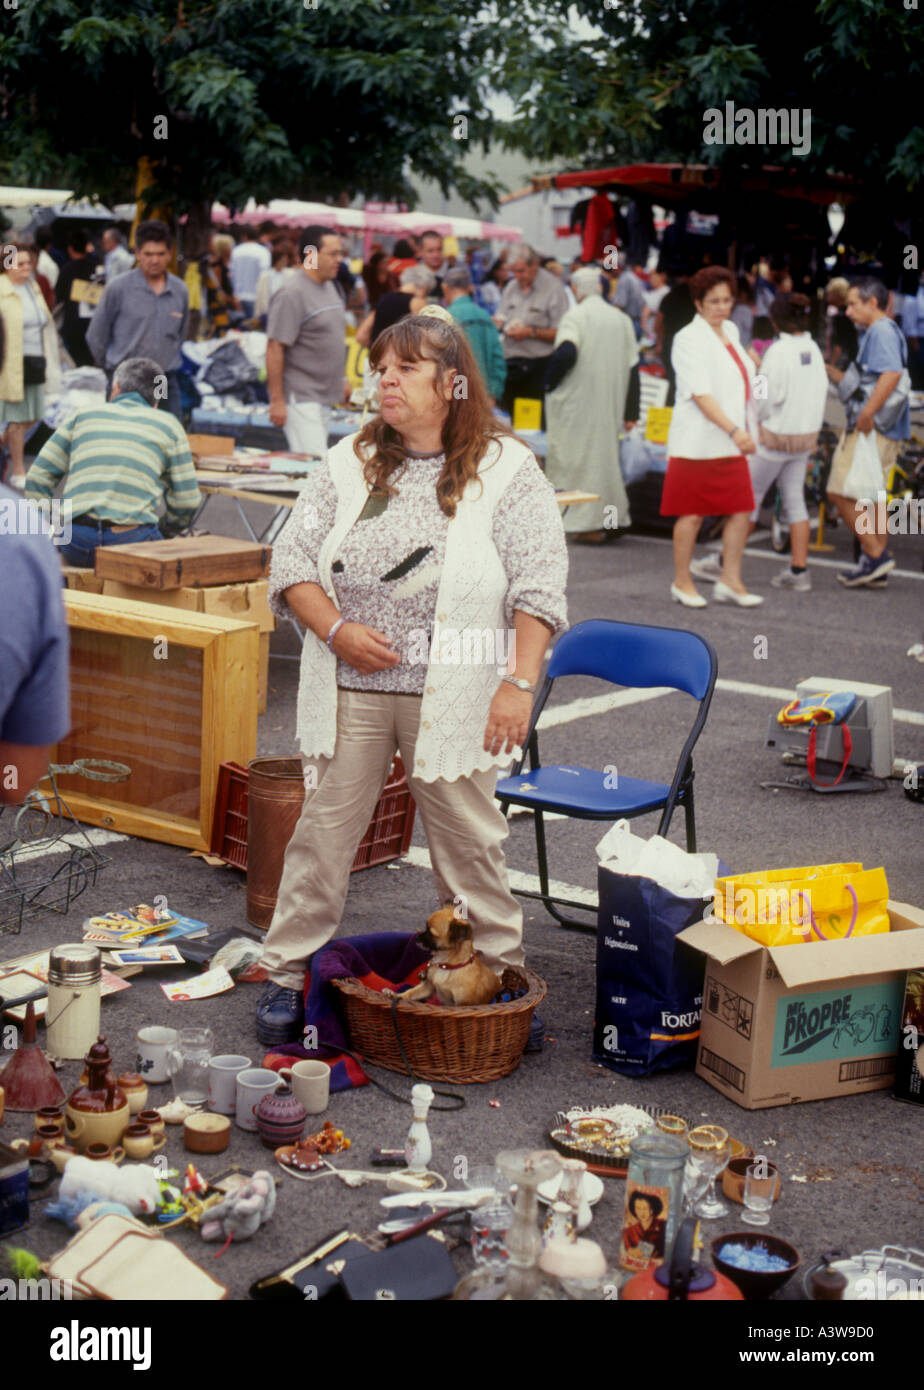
[{"x": 592, "y": 537}]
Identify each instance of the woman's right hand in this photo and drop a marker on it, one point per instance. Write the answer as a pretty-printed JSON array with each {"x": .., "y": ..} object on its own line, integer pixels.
[
  {"x": 364, "y": 648},
  {"x": 743, "y": 441}
]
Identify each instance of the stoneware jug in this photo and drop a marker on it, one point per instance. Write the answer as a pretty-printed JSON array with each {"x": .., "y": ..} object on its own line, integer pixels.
[{"x": 98, "y": 1112}]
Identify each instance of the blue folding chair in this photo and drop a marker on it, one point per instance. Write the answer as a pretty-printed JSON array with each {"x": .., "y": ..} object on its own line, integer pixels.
[{"x": 627, "y": 654}]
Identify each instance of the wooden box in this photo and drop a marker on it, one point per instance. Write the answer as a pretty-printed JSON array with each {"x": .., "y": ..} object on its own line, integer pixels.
[
  {"x": 170, "y": 693},
  {"x": 76, "y": 578},
  {"x": 247, "y": 603},
  {"x": 187, "y": 561}
]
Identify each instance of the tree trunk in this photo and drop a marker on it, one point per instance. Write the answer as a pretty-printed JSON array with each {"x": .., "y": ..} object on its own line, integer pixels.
[{"x": 196, "y": 231}]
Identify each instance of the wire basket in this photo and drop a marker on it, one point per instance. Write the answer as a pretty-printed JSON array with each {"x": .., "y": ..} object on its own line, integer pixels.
[{"x": 42, "y": 827}]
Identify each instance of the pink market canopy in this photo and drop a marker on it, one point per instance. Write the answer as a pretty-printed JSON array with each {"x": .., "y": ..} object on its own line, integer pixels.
[{"x": 289, "y": 212}]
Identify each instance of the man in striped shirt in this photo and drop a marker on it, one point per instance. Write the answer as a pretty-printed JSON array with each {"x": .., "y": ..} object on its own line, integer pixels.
[{"x": 119, "y": 462}]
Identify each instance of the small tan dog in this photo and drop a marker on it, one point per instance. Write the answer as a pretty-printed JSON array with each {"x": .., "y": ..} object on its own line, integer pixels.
[{"x": 456, "y": 974}]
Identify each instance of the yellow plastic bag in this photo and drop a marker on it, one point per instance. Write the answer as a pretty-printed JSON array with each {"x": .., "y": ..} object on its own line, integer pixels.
[{"x": 782, "y": 907}]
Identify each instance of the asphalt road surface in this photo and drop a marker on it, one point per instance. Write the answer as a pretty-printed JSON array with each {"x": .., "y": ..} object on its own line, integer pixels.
[{"x": 851, "y": 1167}]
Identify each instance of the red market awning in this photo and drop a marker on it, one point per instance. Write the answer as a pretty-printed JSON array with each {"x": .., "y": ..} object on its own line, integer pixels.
[{"x": 672, "y": 183}]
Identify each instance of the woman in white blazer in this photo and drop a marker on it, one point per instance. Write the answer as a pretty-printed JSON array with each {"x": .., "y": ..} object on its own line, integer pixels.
[
  {"x": 713, "y": 427},
  {"x": 31, "y": 358}
]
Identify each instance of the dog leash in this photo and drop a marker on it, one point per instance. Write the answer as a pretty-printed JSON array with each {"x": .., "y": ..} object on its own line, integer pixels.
[{"x": 458, "y": 1101}]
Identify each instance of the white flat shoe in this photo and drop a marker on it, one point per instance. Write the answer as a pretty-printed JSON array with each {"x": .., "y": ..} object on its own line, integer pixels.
[
  {"x": 723, "y": 594},
  {"x": 688, "y": 600}
]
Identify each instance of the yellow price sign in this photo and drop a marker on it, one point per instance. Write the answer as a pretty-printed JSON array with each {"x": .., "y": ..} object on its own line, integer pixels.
[
  {"x": 658, "y": 423},
  {"x": 527, "y": 414},
  {"x": 86, "y": 292}
]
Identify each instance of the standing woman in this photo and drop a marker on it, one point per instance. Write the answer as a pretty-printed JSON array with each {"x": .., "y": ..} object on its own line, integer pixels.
[
  {"x": 707, "y": 472},
  {"x": 216, "y": 276},
  {"x": 31, "y": 355},
  {"x": 429, "y": 530}
]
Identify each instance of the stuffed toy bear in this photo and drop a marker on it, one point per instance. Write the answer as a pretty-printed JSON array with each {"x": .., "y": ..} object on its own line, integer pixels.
[
  {"x": 243, "y": 1212},
  {"x": 135, "y": 1187}
]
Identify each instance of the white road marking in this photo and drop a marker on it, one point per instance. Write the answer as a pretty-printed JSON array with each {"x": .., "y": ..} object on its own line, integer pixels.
[
  {"x": 551, "y": 717},
  {"x": 600, "y": 704},
  {"x": 67, "y": 842},
  {"x": 844, "y": 563},
  {"x": 419, "y": 858}
]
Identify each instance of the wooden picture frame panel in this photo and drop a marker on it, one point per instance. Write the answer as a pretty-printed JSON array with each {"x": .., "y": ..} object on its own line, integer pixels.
[{"x": 169, "y": 692}]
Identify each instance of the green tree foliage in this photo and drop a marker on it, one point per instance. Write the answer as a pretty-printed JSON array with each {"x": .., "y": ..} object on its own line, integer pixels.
[
  {"x": 639, "y": 87},
  {"x": 314, "y": 99}
]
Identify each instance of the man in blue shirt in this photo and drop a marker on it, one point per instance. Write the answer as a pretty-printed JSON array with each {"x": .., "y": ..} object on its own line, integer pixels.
[
  {"x": 882, "y": 357},
  {"x": 144, "y": 313},
  {"x": 34, "y": 673}
]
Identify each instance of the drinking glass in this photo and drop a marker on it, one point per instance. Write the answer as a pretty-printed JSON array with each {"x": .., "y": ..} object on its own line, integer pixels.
[
  {"x": 759, "y": 1187},
  {"x": 710, "y": 1152},
  {"x": 490, "y": 1224},
  {"x": 188, "y": 1064}
]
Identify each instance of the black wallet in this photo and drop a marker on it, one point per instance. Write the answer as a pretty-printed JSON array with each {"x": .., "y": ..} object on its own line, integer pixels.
[{"x": 419, "y": 1269}]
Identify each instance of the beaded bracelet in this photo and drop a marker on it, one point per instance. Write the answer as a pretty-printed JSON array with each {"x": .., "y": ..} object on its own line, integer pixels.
[{"x": 333, "y": 632}]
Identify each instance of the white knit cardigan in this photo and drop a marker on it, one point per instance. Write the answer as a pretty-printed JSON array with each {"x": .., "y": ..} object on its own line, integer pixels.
[{"x": 454, "y": 706}]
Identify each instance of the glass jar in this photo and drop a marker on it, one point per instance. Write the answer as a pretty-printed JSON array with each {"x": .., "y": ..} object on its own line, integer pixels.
[{"x": 654, "y": 1199}]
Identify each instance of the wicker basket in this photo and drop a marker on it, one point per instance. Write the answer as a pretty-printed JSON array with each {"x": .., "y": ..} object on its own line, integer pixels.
[{"x": 461, "y": 1044}]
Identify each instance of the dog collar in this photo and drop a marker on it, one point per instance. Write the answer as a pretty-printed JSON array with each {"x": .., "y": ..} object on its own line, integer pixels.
[{"x": 460, "y": 966}]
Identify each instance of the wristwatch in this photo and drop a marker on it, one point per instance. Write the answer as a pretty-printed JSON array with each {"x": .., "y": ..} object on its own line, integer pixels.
[{"x": 520, "y": 683}]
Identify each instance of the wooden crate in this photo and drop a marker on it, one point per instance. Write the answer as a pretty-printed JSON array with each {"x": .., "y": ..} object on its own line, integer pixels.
[
  {"x": 246, "y": 603},
  {"x": 170, "y": 693},
  {"x": 76, "y": 578},
  {"x": 190, "y": 561}
]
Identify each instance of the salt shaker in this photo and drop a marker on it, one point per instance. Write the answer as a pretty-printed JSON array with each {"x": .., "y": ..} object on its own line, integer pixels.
[
  {"x": 559, "y": 1224},
  {"x": 417, "y": 1148}
]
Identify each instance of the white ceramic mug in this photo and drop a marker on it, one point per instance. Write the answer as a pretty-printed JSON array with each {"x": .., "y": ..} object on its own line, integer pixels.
[
  {"x": 223, "y": 1072},
  {"x": 153, "y": 1045},
  {"x": 251, "y": 1086},
  {"x": 310, "y": 1082}
]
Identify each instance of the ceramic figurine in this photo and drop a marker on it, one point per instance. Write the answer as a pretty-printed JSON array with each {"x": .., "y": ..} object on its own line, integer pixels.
[
  {"x": 418, "y": 1148},
  {"x": 573, "y": 1190},
  {"x": 559, "y": 1224}
]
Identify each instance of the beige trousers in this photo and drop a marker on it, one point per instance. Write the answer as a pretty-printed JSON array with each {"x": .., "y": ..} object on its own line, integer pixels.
[{"x": 465, "y": 834}]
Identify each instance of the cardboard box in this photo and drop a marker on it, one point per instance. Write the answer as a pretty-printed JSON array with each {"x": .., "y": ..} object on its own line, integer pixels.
[
  {"x": 793, "y": 1023},
  {"x": 247, "y": 602},
  {"x": 909, "y": 1064}
]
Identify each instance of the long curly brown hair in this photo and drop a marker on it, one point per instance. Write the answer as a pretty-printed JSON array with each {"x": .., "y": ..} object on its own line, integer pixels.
[{"x": 469, "y": 426}]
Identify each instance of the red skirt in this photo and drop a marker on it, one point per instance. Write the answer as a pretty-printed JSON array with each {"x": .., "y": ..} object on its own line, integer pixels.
[{"x": 707, "y": 487}]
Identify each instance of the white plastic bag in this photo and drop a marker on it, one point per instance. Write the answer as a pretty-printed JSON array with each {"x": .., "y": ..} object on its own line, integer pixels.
[
  {"x": 686, "y": 875},
  {"x": 864, "y": 477}
]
